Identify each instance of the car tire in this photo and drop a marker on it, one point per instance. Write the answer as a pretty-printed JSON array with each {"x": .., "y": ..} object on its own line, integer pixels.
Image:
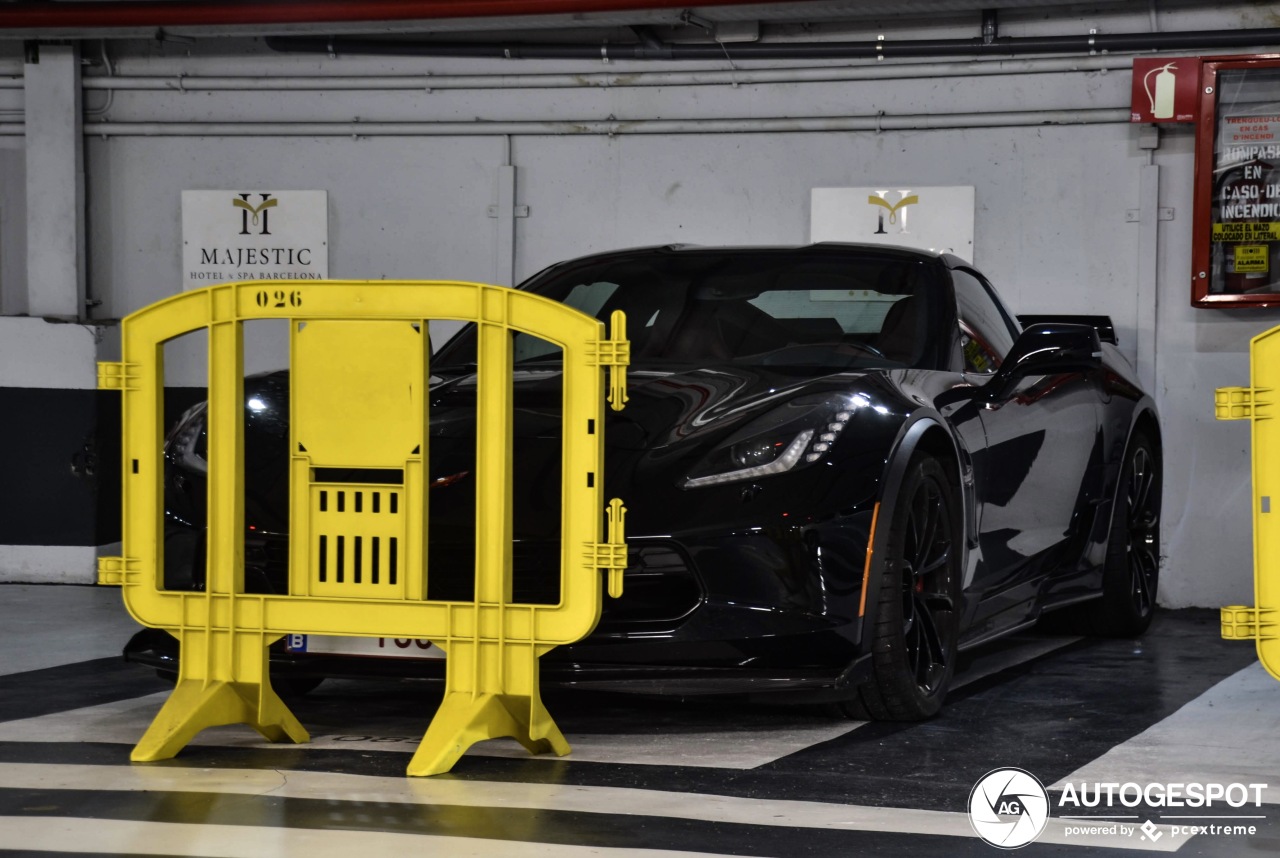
[
  {"x": 916, "y": 616},
  {"x": 1131, "y": 575}
]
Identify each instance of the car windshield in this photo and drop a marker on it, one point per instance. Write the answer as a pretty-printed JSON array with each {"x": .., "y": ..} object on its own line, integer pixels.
[{"x": 852, "y": 310}]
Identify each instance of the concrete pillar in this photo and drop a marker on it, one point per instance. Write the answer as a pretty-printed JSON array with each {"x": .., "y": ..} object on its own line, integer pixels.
[
  {"x": 60, "y": 458},
  {"x": 55, "y": 183}
]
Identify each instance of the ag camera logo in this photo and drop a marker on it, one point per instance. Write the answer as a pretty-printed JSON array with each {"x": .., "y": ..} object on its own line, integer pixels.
[{"x": 1008, "y": 808}]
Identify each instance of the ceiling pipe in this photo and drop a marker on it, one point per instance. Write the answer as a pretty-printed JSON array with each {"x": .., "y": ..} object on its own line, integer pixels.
[
  {"x": 650, "y": 40},
  {"x": 595, "y": 80},
  {"x": 758, "y": 125},
  {"x": 920, "y": 48},
  {"x": 147, "y": 13}
]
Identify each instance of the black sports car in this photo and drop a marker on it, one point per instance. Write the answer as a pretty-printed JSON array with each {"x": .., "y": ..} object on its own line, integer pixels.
[{"x": 843, "y": 464}]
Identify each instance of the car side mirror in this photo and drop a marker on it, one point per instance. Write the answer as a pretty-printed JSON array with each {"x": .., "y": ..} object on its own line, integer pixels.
[{"x": 1048, "y": 348}]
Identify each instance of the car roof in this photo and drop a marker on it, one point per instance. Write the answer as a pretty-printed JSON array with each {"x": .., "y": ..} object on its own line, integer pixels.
[
  {"x": 812, "y": 251},
  {"x": 816, "y": 249}
]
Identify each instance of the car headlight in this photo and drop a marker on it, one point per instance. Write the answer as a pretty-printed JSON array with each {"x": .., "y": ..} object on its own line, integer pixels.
[
  {"x": 188, "y": 442},
  {"x": 796, "y": 435}
]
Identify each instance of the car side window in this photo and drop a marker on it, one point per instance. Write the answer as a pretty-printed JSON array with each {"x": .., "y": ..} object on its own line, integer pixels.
[{"x": 986, "y": 331}]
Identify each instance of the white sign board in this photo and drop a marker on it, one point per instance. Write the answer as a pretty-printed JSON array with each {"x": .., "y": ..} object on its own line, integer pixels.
[
  {"x": 254, "y": 235},
  {"x": 930, "y": 218}
]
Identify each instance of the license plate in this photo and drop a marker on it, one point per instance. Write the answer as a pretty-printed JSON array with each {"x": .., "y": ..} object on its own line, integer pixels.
[{"x": 369, "y": 647}]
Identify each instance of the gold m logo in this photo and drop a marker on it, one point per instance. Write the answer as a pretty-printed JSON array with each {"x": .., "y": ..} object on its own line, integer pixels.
[
  {"x": 878, "y": 199},
  {"x": 249, "y": 209}
]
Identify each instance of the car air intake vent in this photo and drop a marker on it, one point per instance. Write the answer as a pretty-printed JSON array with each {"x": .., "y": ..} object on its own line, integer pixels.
[{"x": 659, "y": 589}]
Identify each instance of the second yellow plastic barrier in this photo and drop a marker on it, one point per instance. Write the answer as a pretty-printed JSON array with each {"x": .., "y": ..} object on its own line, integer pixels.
[{"x": 1257, "y": 404}]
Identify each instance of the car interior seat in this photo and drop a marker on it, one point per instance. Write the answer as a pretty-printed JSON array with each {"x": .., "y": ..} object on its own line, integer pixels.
[{"x": 899, "y": 338}]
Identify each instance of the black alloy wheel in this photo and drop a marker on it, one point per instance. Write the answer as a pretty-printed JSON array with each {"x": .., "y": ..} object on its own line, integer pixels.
[
  {"x": 1131, "y": 578},
  {"x": 917, "y": 615}
]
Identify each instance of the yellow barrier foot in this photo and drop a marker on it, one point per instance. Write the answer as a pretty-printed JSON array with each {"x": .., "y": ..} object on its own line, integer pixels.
[
  {"x": 464, "y": 719},
  {"x": 196, "y": 704}
]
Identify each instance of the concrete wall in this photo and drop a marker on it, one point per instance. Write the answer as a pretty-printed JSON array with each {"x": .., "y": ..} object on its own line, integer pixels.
[{"x": 1051, "y": 229}]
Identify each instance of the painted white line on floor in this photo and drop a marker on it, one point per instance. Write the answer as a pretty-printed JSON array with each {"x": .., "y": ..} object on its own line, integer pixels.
[
  {"x": 117, "y": 837},
  {"x": 532, "y": 796},
  {"x": 736, "y": 749},
  {"x": 1229, "y": 734},
  {"x": 125, "y": 721}
]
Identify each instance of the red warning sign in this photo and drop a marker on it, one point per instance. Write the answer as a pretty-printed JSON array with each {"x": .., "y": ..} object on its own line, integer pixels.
[{"x": 1165, "y": 89}]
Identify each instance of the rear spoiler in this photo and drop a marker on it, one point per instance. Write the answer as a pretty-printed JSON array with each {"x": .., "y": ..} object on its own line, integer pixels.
[{"x": 1102, "y": 324}]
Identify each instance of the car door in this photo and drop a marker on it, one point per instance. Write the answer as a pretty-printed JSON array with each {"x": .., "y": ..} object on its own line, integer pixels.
[{"x": 1039, "y": 474}]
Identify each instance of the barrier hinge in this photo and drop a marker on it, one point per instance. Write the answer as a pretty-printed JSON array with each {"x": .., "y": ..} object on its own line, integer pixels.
[
  {"x": 1240, "y": 622},
  {"x": 611, "y": 556},
  {"x": 117, "y": 375},
  {"x": 117, "y": 571},
  {"x": 1241, "y": 403},
  {"x": 614, "y": 352}
]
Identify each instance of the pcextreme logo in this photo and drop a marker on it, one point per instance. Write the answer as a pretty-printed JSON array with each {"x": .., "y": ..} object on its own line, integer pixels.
[{"x": 1008, "y": 808}]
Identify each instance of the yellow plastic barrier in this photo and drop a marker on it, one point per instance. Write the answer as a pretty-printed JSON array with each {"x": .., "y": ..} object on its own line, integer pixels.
[
  {"x": 1257, "y": 405},
  {"x": 360, "y": 360}
]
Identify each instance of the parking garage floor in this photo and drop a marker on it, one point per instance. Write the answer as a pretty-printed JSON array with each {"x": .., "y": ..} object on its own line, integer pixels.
[{"x": 652, "y": 776}]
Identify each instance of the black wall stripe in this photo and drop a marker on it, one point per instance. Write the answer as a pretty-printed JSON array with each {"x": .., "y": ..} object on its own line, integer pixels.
[
  {"x": 58, "y": 467},
  {"x": 60, "y": 461}
]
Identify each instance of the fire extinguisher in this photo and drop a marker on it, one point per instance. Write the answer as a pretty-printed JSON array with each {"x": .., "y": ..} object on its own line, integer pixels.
[{"x": 1165, "y": 85}]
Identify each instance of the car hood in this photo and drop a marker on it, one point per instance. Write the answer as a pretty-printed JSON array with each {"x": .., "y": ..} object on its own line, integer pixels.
[
  {"x": 666, "y": 406},
  {"x": 674, "y": 418}
]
